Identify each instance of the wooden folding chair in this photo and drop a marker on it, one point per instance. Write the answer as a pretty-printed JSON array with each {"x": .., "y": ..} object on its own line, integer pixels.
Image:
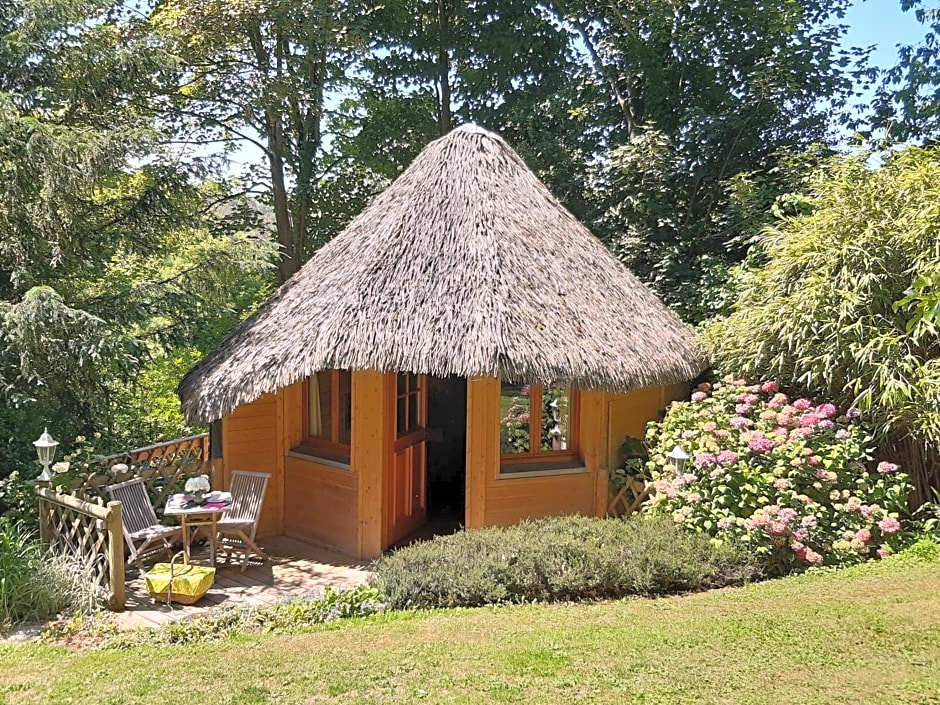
[
  {"x": 143, "y": 534},
  {"x": 238, "y": 525}
]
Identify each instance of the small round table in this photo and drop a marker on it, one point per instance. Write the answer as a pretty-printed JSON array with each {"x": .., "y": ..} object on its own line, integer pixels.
[{"x": 199, "y": 516}]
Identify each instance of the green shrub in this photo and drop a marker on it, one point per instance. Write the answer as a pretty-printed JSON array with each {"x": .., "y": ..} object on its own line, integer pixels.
[
  {"x": 842, "y": 303},
  {"x": 791, "y": 481},
  {"x": 558, "y": 558},
  {"x": 35, "y": 585}
]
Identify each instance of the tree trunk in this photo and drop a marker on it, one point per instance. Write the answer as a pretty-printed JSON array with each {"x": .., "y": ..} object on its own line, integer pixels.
[
  {"x": 274, "y": 134},
  {"x": 443, "y": 66}
]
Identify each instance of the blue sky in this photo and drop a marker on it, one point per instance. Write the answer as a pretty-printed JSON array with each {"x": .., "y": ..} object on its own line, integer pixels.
[{"x": 881, "y": 23}]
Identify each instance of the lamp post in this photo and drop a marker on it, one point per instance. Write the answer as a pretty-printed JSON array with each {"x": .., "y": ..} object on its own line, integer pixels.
[
  {"x": 678, "y": 457},
  {"x": 45, "y": 449}
]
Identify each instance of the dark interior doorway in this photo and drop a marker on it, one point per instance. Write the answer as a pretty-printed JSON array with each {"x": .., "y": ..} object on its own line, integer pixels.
[{"x": 447, "y": 450}]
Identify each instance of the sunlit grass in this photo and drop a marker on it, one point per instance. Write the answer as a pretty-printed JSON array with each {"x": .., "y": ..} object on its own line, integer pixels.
[{"x": 868, "y": 634}]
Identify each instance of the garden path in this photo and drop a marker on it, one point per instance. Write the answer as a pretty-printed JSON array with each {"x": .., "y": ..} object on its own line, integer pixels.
[{"x": 293, "y": 569}]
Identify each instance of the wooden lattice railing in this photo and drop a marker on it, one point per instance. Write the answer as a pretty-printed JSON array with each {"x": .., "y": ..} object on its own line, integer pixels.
[
  {"x": 627, "y": 497},
  {"x": 165, "y": 468},
  {"x": 90, "y": 534},
  {"x": 191, "y": 448}
]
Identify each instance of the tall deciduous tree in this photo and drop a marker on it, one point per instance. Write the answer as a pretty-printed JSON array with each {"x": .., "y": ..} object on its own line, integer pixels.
[
  {"x": 111, "y": 250},
  {"x": 689, "y": 95},
  {"x": 906, "y": 106},
  {"x": 263, "y": 73}
]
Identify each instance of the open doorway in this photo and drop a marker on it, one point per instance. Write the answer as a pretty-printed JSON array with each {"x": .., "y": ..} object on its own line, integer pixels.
[
  {"x": 447, "y": 446},
  {"x": 446, "y": 451}
]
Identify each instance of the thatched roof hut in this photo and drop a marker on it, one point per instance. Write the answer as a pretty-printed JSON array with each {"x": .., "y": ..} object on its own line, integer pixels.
[{"x": 466, "y": 265}]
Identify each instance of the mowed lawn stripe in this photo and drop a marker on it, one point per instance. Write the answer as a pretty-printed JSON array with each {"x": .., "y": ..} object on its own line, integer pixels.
[{"x": 869, "y": 634}]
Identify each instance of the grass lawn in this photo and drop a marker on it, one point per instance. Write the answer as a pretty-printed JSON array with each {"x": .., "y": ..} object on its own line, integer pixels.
[{"x": 869, "y": 634}]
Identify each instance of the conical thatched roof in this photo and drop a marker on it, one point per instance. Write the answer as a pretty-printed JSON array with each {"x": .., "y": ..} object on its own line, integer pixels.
[{"x": 466, "y": 265}]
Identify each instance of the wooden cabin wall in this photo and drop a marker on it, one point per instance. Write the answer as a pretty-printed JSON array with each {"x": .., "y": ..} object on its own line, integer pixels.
[
  {"x": 497, "y": 500},
  {"x": 320, "y": 501},
  {"x": 251, "y": 441},
  {"x": 628, "y": 414}
]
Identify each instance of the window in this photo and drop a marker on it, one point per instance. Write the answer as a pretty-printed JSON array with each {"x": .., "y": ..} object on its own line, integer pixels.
[
  {"x": 538, "y": 424},
  {"x": 408, "y": 404},
  {"x": 328, "y": 414}
]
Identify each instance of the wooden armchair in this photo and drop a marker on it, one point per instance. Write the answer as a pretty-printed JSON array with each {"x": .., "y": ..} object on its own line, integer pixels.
[
  {"x": 238, "y": 525},
  {"x": 143, "y": 534}
]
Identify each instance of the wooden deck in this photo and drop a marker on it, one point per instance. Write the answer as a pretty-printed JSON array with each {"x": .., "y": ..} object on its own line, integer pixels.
[{"x": 293, "y": 569}]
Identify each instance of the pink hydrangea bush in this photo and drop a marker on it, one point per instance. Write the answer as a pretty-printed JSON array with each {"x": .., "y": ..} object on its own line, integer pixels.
[{"x": 790, "y": 479}]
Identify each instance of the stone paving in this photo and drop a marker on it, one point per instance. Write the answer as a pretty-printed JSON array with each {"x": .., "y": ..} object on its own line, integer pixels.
[{"x": 293, "y": 568}]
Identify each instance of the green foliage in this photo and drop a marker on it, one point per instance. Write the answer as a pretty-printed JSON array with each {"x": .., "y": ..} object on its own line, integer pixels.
[
  {"x": 906, "y": 104},
  {"x": 33, "y": 584},
  {"x": 284, "y": 617},
  {"x": 791, "y": 481},
  {"x": 558, "y": 558},
  {"x": 18, "y": 503},
  {"x": 823, "y": 313},
  {"x": 116, "y": 248},
  {"x": 685, "y": 96}
]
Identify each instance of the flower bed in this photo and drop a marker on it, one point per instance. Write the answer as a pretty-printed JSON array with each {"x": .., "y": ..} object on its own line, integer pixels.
[{"x": 791, "y": 480}]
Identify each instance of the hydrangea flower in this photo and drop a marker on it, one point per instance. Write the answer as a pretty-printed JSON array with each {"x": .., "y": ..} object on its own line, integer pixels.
[
  {"x": 802, "y": 404},
  {"x": 863, "y": 536},
  {"x": 727, "y": 457},
  {"x": 889, "y": 525},
  {"x": 699, "y": 396},
  {"x": 843, "y": 435},
  {"x": 739, "y": 422},
  {"x": 709, "y": 426},
  {"x": 885, "y": 468},
  {"x": 809, "y": 420},
  {"x": 760, "y": 444},
  {"x": 827, "y": 411},
  {"x": 782, "y": 483},
  {"x": 827, "y": 424},
  {"x": 769, "y": 387},
  {"x": 743, "y": 409},
  {"x": 704, "y": 460},
  {"x": 812, "y": 557}
]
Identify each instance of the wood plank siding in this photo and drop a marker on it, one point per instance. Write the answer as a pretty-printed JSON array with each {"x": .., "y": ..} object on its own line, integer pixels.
[
  {"x": 344, "y": 507},
  {"x": 250, "y": 441}
]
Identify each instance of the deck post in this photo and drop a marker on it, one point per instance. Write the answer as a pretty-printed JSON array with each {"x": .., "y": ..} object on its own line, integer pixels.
[
  {"x": 115, "y": 528},
  {"x": 45, "y": 534}
]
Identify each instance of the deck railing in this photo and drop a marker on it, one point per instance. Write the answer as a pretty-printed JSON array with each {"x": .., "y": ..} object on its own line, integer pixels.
[
  {"x": 188, "y": 448},
  {"x": 90, "y": 534},
  {"x": 165, "y": 468}
]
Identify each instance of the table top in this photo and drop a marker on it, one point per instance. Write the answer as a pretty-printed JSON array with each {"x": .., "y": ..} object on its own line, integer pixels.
[{"x": 222, "y": 503}]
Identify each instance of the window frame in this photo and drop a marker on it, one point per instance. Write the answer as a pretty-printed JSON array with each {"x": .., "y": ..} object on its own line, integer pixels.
[
  {"x": 571, "y": 454},
  {"x": 327, "y": 448},
  {"x": 413, "y": 394}
]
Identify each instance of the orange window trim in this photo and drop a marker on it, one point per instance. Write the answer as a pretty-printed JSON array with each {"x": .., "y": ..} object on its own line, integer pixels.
[
  {"x": 572, "y": 452},
  {"x": 330, "y": 445}
]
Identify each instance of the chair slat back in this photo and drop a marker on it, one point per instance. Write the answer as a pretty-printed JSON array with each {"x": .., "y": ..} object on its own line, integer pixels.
[
  {"x": 247, "y": 490},
  {"x": 136, "y": 509}
]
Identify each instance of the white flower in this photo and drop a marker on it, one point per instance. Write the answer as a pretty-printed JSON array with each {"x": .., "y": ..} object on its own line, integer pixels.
[
  {"x": 118, "y": 468},
  {"x": 60, "y": 467},
  {"x": 199, "y": 483}
]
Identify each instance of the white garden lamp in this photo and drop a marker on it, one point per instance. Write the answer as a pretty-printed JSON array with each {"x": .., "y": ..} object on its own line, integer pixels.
[
  {"x": 45, "y": 449},
  {"x": 678, "y": 457}
]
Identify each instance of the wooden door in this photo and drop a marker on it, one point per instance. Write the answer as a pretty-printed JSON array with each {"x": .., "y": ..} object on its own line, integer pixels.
[{"x": 406, "y": 498}]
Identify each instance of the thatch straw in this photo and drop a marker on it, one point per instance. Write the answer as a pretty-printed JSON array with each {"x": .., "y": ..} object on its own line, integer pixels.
[{"x": 466, "y": 265}]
